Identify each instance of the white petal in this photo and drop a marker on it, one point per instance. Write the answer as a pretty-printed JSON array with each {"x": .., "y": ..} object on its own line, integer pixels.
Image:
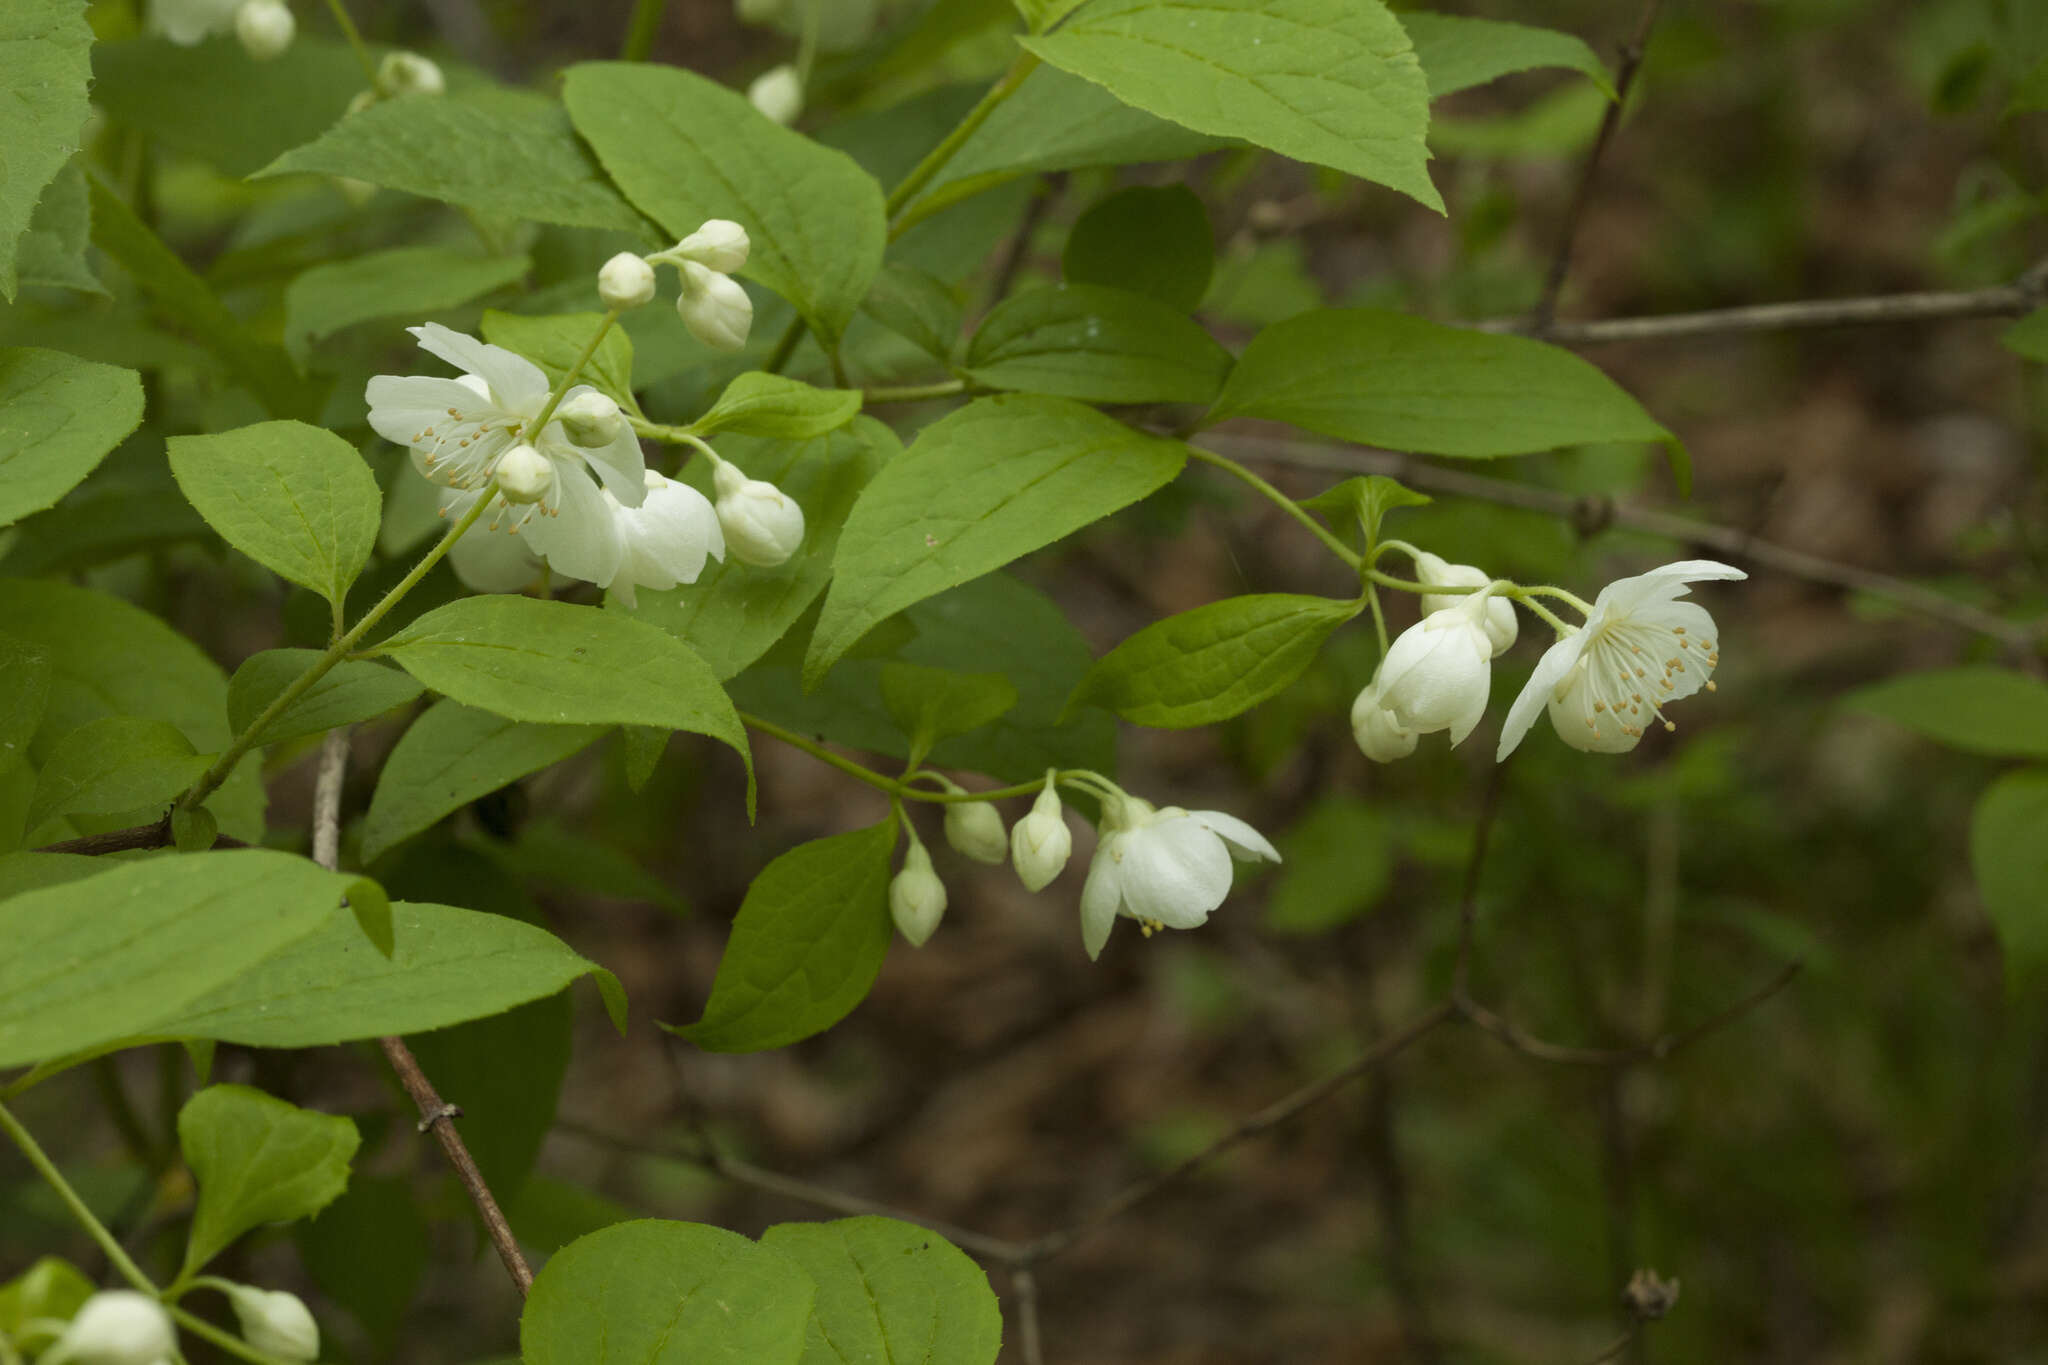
[
  {"x": 1670, "y": 619},
  {"x": 516, "y": 382},
  {"x": 1242, "y": 840},
  {"x": 1550, "y": 670},
  {"x": 1663, "y": 584},
  {"x": 1579, "y": 725},
  {"x": 580, "y": 539},
  {"x": 620, "y": 466},
  {"x": 1445, "y": 682},
  {"x": 1175, "y": 872},
  {"x": 665, "y": 540},
  {"x": 1101, "y": 895},
  {"x": 494, "y": 561}
]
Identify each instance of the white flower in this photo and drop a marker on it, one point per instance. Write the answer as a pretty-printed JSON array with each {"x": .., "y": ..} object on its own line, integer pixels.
[
  {"x": 408, "y": 73},
  {"x": 275, "y": 1323},
  {"x": 714, "y": 307},
  {"x": 1500, "y": 623},
  {"x": 666, "y": 539},
  {"x": 1040, "y": 843},
  {"x": 116, "y": 1327},
  {"x": 975, "y": 830},
  {"x": 1164, "y": 868},
  {"x": 590, "y": 419},
  {"x": 1435, "y": 675},
  {"x": 186, "y": 22},
  {"x": 778, "y": 93},
  {"x": 625, "y": 281},
  {"x": 917, "y": 898},
  {"x": 1640, "y": 650},
  {"x": 1381, "y": 736},
  {"x": 720, "y": 244},
  {"x": 763, "y": 526},
  {"x": 266, "y": 28}
]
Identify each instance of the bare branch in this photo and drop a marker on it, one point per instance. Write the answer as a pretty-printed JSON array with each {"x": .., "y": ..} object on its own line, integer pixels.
[
  {"x": 1026, "y": 1285},
  {"x": 1656, "y": 1050},
  {"x": 157, "y": 835}
]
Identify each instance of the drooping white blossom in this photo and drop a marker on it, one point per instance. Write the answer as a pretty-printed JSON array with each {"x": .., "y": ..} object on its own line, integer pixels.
[
  {"x": 1436, "y": 674},
  {"x": 1640, "y": 649},
  {"x": 1165, "y": 868},
  {"x": 1499, "y": 620},
  {"x": 275, "y": 1322},
  {"x": 714, "y": 307},
  {"x": 186, "y": 22},
  {"x": 1381, "y": 736},
  {"x": 763, "y": 525},
  {"x": 917, "y": 898},
  {"x": 115, "y": 1327},
  {"x": 408, "y": 73},
  {"x": 265, "y": 28},
  {"x": 975, "y": 830},
  {"x": 625, "y": 281},
  {"x": 665, "y": 540},
  {"x": 778, "y": 93},
  {"x": 1041, "y": 843}
]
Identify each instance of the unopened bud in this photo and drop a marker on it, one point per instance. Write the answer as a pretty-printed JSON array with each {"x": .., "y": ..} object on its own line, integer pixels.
[
  {"x": 714, "y": 307},
  {"x": 265, "y": 27},
  {"x": 590, "y": 419},
  {"x": 778, "y": 93},
  {"x": 360, "y": 101},
  {"x": 719, "y": 245},
  {"x": 763, "y": 526},
  {"x": 1040, "y": 843},
  {"x": 1500, "y": 624},
  {"x": 625, "y": 281},
  {"x": 1378, "y": 731},
  {"x": 917, "y": 898},
  {"x": 523, "y": 474},
  {"x": 275, "y": 1323},
  {"x": 975, "y": 829},
  {"x": 408, "y": 73},
  {"x": 117, "y": 1327}
]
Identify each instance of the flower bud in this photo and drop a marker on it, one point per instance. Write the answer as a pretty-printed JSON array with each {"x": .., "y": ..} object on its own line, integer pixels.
[
  {"x": 1436, "y": 674},
  {"x": 917, "y": 898},
  {"x": 975, "y": 829},
  {"x": 714, "y": 307},
  {"x": 1379, "y": 732},
  {"x": 719, "y": 245},
  {"x": 778, "y": 93},
  {"x": 275, "y": 1323},
  {"x": 117, "y": 1327},
  {"x": 1500, "y": 624},
  {"x": 625, "y": 281},
  {"x": 523, "y": 474},
  {"x": 1041, "y": 842},
  {"x": 408, "y": 73},
  {"x": 265, "y": 28},
  {"x": 590, "y": 419},
  {"x": 763, "y": 527},
  {"x": 360, "y": 101}
]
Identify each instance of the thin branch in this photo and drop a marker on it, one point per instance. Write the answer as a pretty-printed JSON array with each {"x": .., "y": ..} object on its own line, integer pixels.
[
  {"x": 1468, "y": 899},
  {"x": 157, "y": 835},
  {"x": 1545, "y": 312},
  {"x": 1590, "y": 514},
  {"x": 1621, "y": 1344},
  {"x": 1656, "y": 1050},
  {"x": 1018, "y": 251},
  {"x": 1272, "y": 1116},
  {"x": 1026, "y": 1285},
  {"x": 327, "y": 798}
]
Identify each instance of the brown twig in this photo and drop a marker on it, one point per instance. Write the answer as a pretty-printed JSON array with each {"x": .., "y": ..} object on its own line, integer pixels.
[
  {"x": 1475, "y": 862},
  {"x": 1545, "y": 312},
  {"x": 1018, "y": 250},
  {"x": 1656, "y": 1050},
  {"x": 156, "y": 835}
]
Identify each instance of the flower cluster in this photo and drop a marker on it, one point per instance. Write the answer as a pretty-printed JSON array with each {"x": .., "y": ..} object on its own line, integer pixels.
[
  {"x": 1603, "y": 682},
  {"x": 711, "y": 303},
  {"x": 124, "y": 1327},
  {"x": 264, "y": 27},
  {"x": 1166, "y": 868}
]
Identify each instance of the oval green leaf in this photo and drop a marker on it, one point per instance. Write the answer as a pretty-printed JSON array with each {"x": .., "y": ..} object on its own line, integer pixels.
[
  {"x": 761, "y": 404},
  {"x": 257, "y": 1160},
  {"x": 1099, "y": 345},
  {"x": 2009, "y": 855},
  {"x": 114, "y": 764},
  {"x": 1980, "y": 709},
  {"x": 59, "y": 416},
  {"x": 890, "y": 1291},
  {"x": 353, "y": 690},
  {"x": 1149, "y": 239}
]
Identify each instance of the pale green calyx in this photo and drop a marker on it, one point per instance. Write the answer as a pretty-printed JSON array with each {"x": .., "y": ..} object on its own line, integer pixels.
[
  {"x": 274, "y": 1322},
  {"x": 1041, "y": 843},
  {"x": 590, "y": 419},
  {"x": 625, "y": 281},
  {"x": 714, "y": 307},
  {"x": 917, "y": 898},
  {"x": 975, "y": 830},
  {"x": 763, "y": 526}
]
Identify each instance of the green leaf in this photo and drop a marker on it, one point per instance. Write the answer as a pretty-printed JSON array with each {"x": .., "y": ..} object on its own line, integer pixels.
[
  {"x": 107, "y": 957},
  {"x": 558, "y": 663},
  {"x": 52, "y": 251},
  {"x": 890, "y": 1291},
  {"x": 930, "y": 703},
  {"x": 1098, "y": 345},
  {"x": 917, "y": 306},
  {"x": 1458, "y": 53},
  {"x": 353, "y": 690},
  {"x": 118, "y": 763},
  {"x": 761, "y": 404},
  {"x": 450, "y": 965},
  {"x": 211, "y": 102},
  {"x": 53, "y": 1290},
  {"x": 403, "y": 282},
  {"x": 44, "y": 69},
  {"x": 109, "y": 658},
  {"x": 686, "y": 149},
  {"x": 1149, "y": 239},
  {"x": 734, "y": 612},
  {"x": 295, "y": 498},
  {"x": 805, "y": 947},
  {"x": 257, "y": 1160},
  {"x": 194, "y": 830},
  {"x": 59, "y": 416},
  {"x": 1337, "y": 87},
  {"x": 982, "y": 486},
  {"x": 1214, "y": 662},
  {"x": 380, "y": 1212},
  {"x": 451, "y": 756},
  {"x": 508, "y": 1069},
  {"x": 549, "y": 1214},
  {"x": 547, "y": 854},
  {"x": 506, "y": 153},
  {"x": 1981, "y": 709},
  {"x": 24, "y": 693},
  {"x": 2028, "y": 337},
  {"x": 650, "y": 1292},
  {"x": 1362, "y": 502},
  {"x": 2009, "y": 855},
  {"x": 1336, "y": 863},
  {"x": 1388, "y": 379},
  {"x": 553, "y": 342}
]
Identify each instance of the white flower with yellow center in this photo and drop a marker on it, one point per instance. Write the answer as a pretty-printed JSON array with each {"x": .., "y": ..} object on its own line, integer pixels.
[
  {"x": 1164, "y": 868},
  {"x": 1641, "y": 649}
]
